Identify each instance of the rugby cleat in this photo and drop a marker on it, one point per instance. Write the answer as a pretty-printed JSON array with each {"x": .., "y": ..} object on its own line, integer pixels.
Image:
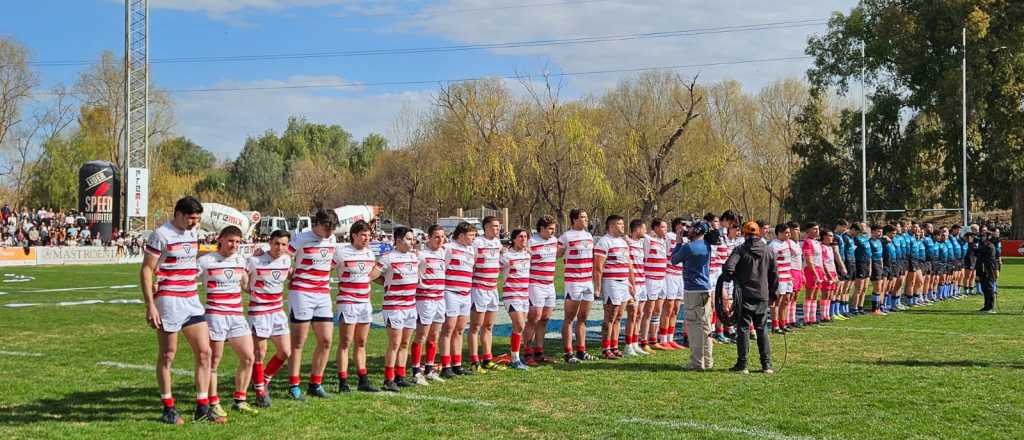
[
  {"x": 170, "y": 416},
  {"x": 295, "y": 393}
]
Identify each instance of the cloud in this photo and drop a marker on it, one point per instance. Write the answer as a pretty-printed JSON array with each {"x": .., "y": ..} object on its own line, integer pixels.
[
  {"x": 613, "y": 17},
  {"x": 221, "y": 121}
]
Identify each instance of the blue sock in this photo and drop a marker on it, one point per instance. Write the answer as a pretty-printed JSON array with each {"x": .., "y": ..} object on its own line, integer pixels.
[{"x": 912, "y": 300}]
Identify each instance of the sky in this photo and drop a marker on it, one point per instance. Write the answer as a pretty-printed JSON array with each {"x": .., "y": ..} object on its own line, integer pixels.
[{"x": 312, "y": 60}]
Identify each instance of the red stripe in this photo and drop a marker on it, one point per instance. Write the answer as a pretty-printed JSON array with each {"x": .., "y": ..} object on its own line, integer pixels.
[
  {"x": 176, "y": 283},
  {"x": 187, "y": 294}
]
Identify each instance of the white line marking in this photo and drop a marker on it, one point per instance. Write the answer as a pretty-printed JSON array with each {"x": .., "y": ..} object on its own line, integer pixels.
[
  {"x": 925, "y": 331},
  {"x": 18, "y": 305},
  {"x": 79, "y": 303},
  {"x": 3, "y": 293},
  {"x": 125, "y": 301},
  {"x": 697, "y": 426},
  {"x": 19, "y": 353},
  {"x": 18, "y": 280},
  {"x": 441, "y": 399},
  {"x": 142, "y": 367},
  {"x": 76, "y": 303},
  {"x": 69, "y": 289},
  {"x": 126, "y": 286}
]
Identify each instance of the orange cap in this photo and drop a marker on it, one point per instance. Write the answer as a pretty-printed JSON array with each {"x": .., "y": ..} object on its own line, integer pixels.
[{"x": 751, "y": 228}]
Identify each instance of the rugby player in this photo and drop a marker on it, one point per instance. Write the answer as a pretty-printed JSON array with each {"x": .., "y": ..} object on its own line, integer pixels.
[
  {"x": 356, "y": 267},
  {"x": 458, "y": 282},
  {"x": 779, "y": 248},
  {"x": 309, "y": 300},
  {"x": 673, "y": 299},
  {"x": 399, "y": 271},
  {"x": 169, "y": 290},
  {"x": 877, "y": 274},
  {"x": 797, "y": 271},
  {"x": 830, "y": 281},
  {"x": 223, "y": 274},
  {"x": 577, "y": 246},
  {"x": 814, "y": 271},
  {"x": 543, "y": 255},
  {"x": 515, "y": 293},
  {"x": 634, "y": 308},
  {"x": 429, "y": 305},
  {"x": 614, "y": 278},
  {"x": 656, "y": 249},
  {"x": 267, "y": 276},
  {"x": 484, "y": 294}
]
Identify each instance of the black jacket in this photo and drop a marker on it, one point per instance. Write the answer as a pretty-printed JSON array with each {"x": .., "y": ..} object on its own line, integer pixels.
[
  {"x": 985, "y": 265},
  {"x": 752, "y": 270}
]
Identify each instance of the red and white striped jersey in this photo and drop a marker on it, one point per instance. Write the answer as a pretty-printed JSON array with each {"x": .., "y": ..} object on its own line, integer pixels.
[
  {"x": 719, "y": 254},
  {"x": 812, "y": 249},
  {"x": 636, "y": 258},
  {"x": 177, "y": 268},
  {"x": 222, "y": 277},
  {"x": 516, "y": 267},
  {"x": 487, "y": 265},
  {"x": 266, "y": 282},
  {"x": 354, "y": 266},
  {"x": 828, "y": 260},
  {"x": 796, "y": 254},
  {"x": 458, "y": 274},
  {"x": 783, "y": 259},
  {"x": 655, "y": 257},
  {"x": 579, "y": 256},
  {"x": 673, "y": 270},
  {"x": 543, "y": 259},
  {"x": 314, "y": 258},
  {"x": 616, "y": 252},
  {"x": 401, "y": 275},
  {"x": 432, "y": 273}
]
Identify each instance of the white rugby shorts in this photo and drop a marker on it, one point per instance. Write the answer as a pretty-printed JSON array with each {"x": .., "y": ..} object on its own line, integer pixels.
[
  {"x": 268, "y": 325},
  {"x": 225, "y": 327}
]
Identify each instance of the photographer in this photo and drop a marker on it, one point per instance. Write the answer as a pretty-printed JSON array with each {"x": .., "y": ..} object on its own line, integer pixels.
[{"x": 752, "y": 270}]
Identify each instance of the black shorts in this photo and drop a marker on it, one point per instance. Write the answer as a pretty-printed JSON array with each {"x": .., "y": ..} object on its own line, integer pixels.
[
  {"x": 851, "y": 270},
  {"x": 892, "y": 270},
  {"x": 877, "y": 270},
  {"x": 969, "y": 263},
  {"x": 938, "y": 268},
  {"x": 863, "y": 268},
  {"x": 916, "y": 266}
]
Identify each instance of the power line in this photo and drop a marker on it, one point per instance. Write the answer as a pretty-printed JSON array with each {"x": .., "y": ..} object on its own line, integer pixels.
[
  {"x": 470, "y": 47},
  {"x": 429, "y": 13},
  {"x": 479, "y": 78}
]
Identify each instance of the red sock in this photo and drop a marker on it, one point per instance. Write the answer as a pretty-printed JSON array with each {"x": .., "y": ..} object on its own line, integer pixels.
[
  {"x": 294, "y": 380},
  {"x": 400, "y": 371},
  {"x": 239, "y": 395},
  {"x": 446, "y": 361},
  {"x": 431, "y": 352},
  {"x": 202, "y": 402},
  {"x": 361, "y": 372},
  {"x": 389, "y": 373},
  {"x": 168, "y": 402},
  {"x": 316, "y": 379},
  {"x": 272, "y": 366},
  {"x": 214, "y": 399},
  {"x": 514, "y": 342},
  {"x": 606, "y": 344},
  {"x": 457, "y": 360},
  {"x": 474, "y": 359},
  {"x": 417, "y": 355},
  {"x": 257, "y": 374},
  {"x": 538, "y": 351},
  {"x": 581, "y": 347},
  {"x": 568, "y": 349},
  {"x": 343, "y": 375},
  {"x": 775, "y": 324},
  {"x": 488, "y": 356}
]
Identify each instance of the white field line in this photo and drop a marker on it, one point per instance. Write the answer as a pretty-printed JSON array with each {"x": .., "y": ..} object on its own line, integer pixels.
[
  {"x": 113, "y": 364},
  {"x": 73, "y": 289},
  {"x": 698, "y": 426},
  {"x": 76, "y": 303},
  {"x": 19, "y": 353},
  {"x": 441, "y": 399}
]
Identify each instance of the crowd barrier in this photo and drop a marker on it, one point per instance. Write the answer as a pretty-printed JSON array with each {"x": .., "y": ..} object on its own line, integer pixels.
[{"x": 49, "y": 256}]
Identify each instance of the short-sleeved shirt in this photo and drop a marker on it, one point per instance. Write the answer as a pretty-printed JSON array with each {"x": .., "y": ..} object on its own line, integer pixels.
[
  {"x": 354, "y": 266},
  {"x": 177, "y": 265},
  {"x": 783, "y": 259},
  {"x": 655, "y": 257},
  {"x": 401, "y": 276},
  {"x": 579, "y": 256},
  {"x": 487, "y": 265},
  {"x": 459, "y": 268},
  {"x": 516, "y": 268},
  {"x": 543, "y": 261},
  {"x": 696, "y": 257},
  {"x": 222, "y": 277},
  {"x": 314, "y": 258},
  {"x": 616, "y": 252},
  {"x": 673, "y": 270},
  {"x": 812, "y": 249},
  {"x": 432, "y": 268},
  {"x": 267, "y": 276}
]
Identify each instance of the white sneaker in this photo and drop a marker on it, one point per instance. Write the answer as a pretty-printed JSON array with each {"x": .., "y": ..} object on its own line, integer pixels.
[
  {"x": 420, "y": 379},
  {"x": 629, "y": 351},
  {"x": 639, "y": 351},
  {"x": 435, "y": 377}
]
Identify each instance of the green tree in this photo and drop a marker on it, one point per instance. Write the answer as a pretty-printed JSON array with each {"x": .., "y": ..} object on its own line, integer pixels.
[
  {"x": 182, "y": 156},
  {"x": 259, "y": 173}
]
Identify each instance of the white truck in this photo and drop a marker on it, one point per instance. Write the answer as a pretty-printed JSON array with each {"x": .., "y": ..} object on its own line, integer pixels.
[
  {"x": 216, "y": 217},
  {"x": 449, "y": 224}
]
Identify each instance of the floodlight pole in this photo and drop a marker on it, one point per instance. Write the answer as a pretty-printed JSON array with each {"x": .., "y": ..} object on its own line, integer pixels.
[
  {"x": 863, "y": 136},
  {"x": 966, "y": 202}
]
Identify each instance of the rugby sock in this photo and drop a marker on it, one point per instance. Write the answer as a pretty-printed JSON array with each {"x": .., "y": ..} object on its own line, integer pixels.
[
  {"x": 446, "y": 361},
  {"x": 400, "y": 371},
  {"x": 792, "y": 312},
  {"x": 257, "y": 377},
  {"x": 457, "y": 360},
  {"x": 239, "y": 396},
  {"x": 316, "y": 379},
  {"x": 202, "y": 399},
  {"x": 343, "y": 375},
  {"x": 474, "y": 359},
  {"x": 808, "y": 314},
  {"x": 538, "y": 351},
  {"x": 417, "y": 354},
  {"x": 874, "y": 302},
  {"x": 823, "y": 305},
  {"x": 275, "y": 364},
  {"x": 514, "y": 342},
  {"x": 389, "y": 374},
  {"x": 214, "y": 399},
  {"x": 431, "y": 352},
  {"x": 294, "y": 380},
  {"x": 167, "y": 399}
]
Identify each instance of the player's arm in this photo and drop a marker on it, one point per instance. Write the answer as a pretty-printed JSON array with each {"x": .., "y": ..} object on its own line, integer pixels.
[
  {"x": 146, "y": 278},
  {"x": 378, "y": 270},
  {"x": 599, "y": 260},
  {"x": 632, "y": 281},
  {"x": 245, "y": 282},
  {"x": 562, "y": 243}
]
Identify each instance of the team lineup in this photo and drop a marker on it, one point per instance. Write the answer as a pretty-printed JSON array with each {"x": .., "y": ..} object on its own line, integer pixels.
[{"x": 650, "y": 273}]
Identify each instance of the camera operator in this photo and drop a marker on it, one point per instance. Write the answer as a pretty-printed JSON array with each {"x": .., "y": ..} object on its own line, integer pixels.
[
  {"x": 986, "y": 268},
  {"x": 752, "y": 270}
]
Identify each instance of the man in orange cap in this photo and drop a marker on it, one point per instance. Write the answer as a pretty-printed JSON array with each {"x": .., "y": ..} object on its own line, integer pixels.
[{"x": 751, "y": 268}]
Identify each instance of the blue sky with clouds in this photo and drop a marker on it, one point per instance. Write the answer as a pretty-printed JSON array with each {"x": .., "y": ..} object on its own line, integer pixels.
[{"x": 58, "y": 30}]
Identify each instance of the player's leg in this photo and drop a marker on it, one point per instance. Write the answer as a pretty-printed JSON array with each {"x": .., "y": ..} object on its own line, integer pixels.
[
  {"x": 529, "y": 332},
  {"x": 216, "y": 354},
  {"x": 391, "y": 355},
  {"x": 632, "y": 322},
  {"x": 198, "y": 337},
  {"x": 646, "y": 322},
  {"x": 607, "y": 329},
  {"x": 456, "y": 350},
  {"x": 582, "y": 313},
  {"x": 299, "y": 334},
  {"x": 570, "y": 310},
  {"x": 242, "y": 346},
  {"x": 323, "y": 330},
  {"x": 487, "y": 340},
  {"x": 346, "y": 333},
  {"x": 403, "y": 351},
  {"x": 168, "y": 347},
  {"x": 518, "y": 319},
  {"x": 476, "y": 320}
]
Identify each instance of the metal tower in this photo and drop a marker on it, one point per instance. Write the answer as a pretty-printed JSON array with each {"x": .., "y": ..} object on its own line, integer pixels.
[{"x": 136, "y": 95}]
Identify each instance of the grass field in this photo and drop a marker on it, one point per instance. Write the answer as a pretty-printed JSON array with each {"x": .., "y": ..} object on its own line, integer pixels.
[{"x": 939, "y": 372}]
